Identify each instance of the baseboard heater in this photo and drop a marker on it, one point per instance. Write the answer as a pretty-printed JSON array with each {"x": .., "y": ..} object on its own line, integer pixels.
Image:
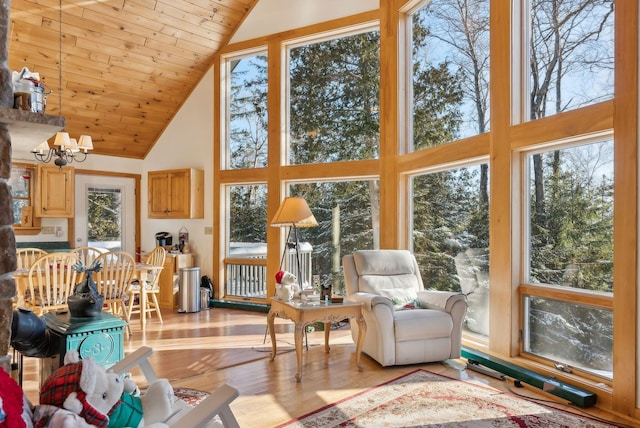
[
  {"x": 550, "y": 385},
  {"x": 233, "y": 304}
]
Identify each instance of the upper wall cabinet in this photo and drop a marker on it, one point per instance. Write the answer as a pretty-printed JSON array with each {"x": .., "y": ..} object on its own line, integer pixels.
[
  {"x": 54, "y": 191},
  {"x": 177, "y": 193}
]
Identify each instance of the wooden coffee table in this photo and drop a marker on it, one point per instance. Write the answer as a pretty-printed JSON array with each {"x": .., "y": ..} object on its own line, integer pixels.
[{"x": 304, "y": 314}]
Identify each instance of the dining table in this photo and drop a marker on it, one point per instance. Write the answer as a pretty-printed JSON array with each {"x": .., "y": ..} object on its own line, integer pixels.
[{"x": 142, "y": 272}]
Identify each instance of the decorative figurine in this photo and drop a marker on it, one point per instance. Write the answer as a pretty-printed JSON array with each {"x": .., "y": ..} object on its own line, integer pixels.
[{"x": 85, "y": 301}]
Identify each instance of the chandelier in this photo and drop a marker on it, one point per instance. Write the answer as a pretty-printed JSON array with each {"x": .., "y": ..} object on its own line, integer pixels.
[{"x": 65, "y": 149}]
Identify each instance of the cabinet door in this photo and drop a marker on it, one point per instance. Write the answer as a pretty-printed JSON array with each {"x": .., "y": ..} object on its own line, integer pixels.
[
  {"x": 167, "y": 278},
  {"x": 55, "y": 191},
  {"x": 179, "y": 195},
  {"x": 176, "y": 193},
  {"x": 158, "y": 195}
]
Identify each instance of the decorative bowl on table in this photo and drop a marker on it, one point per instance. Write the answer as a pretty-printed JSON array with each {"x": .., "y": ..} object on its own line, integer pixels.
[{"x": 310, "y": 295}]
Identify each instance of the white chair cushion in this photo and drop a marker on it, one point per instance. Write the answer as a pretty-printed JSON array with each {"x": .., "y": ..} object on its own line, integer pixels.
[
  {"x": 399, "y": 295},
  {"x": 384, "y": 262},
  {"x": 388, "y": 273},
  {"x": 422, "y": 324}
]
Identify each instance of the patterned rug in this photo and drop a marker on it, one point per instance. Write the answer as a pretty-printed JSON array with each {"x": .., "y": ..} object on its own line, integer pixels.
[
  {"x": 190, "y": 396},
  {"x": 425, "y": 399}
]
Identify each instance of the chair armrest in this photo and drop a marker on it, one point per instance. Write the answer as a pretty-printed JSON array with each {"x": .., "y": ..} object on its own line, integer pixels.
[
  {"x": 138, "y": 358},
  {"x": 217, "y": 403},
  {"x": 370, "y": 300},
  {"x": 441, "y": 300}
]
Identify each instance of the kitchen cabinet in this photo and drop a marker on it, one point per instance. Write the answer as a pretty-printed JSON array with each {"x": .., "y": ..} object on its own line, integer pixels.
[
  {"x": 168, "y": 282},
  {"x": 176, "y": 193},
  {"x": 54, "y": 191}
]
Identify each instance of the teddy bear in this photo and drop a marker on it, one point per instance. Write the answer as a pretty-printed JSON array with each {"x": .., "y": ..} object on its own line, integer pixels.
[
  {"x": 85, "y": 392},
  {"x": 286, "y": 285}
]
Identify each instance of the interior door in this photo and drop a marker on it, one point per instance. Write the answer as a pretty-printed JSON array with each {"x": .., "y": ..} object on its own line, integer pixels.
[{"x": 113, "y": 199}]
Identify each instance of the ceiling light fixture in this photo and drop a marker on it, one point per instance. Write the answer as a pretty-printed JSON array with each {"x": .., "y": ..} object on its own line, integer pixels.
[{"x": 66, "y": 149}]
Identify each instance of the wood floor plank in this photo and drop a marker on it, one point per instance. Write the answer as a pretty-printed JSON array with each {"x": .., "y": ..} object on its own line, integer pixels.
[{"x": 207, "y": 349}]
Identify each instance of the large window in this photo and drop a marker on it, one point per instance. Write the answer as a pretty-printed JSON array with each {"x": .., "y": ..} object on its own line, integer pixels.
[
  {"x": 570, "y": 54},
  {"x": 246, "y": 252},
  {"x": 450, "y": 74},
  {"x": 247, "y": 213},
  {"x": 347, "y": 213},
  {"x": 450, "y": 236},
  {"x": 247, "y": 116},
  {"x": 445, "y": 155},
  {"x": 334, "y": 99},
  {"x": 571, "y": 335},
  {"x": 571, "y": 217},
  {"x": 570, "y": 245}
]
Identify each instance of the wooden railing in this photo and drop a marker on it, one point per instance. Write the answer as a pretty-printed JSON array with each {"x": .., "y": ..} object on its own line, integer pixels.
[
  {"x": 246, "y": 274},
  {"x": 245, "y": 277}
]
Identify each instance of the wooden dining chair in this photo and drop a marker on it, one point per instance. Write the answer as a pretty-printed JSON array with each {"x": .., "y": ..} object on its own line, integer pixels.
[
  {"x": 51, "y": 280},
  {"x": 113, "y": 279},
  {"x": 151, "y": 287},
  {"x": 87, "y": 255},
  {"x": 26, "y": 256}
]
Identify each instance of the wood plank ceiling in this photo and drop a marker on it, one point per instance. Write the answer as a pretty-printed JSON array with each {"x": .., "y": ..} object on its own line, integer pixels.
[{"x": 127, "y": 65}]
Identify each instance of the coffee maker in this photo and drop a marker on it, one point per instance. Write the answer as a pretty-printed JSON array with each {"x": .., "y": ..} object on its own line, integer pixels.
[{"x": 164, "y": 239}]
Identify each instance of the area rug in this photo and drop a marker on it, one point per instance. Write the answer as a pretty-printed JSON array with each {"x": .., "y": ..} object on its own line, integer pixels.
[
  {"x": 190, "y": 396},
  {"x": 425, "y": 399}
]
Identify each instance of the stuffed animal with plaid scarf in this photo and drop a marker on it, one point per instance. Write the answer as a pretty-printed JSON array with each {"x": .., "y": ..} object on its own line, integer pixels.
[{"x": 84, "y": 393}]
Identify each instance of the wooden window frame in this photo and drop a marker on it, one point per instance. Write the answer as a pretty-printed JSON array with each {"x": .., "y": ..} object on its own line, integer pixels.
[{"x": 33, "y": 226}]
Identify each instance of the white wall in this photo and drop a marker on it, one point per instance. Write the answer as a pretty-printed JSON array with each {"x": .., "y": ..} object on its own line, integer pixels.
[
  {"x": 57, "y": 223},
  {"x": 275, "y": 16},
  {"x": 186, "y": 143}
]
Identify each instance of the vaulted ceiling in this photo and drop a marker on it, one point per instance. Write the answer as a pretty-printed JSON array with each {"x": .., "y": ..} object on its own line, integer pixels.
[{"x": 126, "y": 65}]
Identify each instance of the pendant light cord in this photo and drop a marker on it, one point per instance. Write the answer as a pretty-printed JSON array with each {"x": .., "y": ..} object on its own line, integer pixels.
[{"x": 60, "y": 61}]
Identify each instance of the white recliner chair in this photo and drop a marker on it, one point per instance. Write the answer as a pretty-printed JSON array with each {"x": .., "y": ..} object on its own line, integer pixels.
[{"x": 406, "y": 324}]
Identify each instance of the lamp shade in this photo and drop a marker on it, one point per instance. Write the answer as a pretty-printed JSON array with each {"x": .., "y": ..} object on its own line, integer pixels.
[
  {"x": 41, "y": 148},
  {"x": 86, "y": 143},
  {"x": 294, "y": 211},
  {"x": 73, "y": 145},
  {"x": 62, "y": 140}
]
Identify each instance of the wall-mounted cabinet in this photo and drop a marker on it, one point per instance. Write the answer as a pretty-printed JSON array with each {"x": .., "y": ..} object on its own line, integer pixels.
[
  {"x": 177, "y": 193},
  {"x": 54, "y": 191}
]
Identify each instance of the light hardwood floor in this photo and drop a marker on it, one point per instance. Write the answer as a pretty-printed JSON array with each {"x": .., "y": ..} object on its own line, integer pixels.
[{"x": 206, "y": 349}]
